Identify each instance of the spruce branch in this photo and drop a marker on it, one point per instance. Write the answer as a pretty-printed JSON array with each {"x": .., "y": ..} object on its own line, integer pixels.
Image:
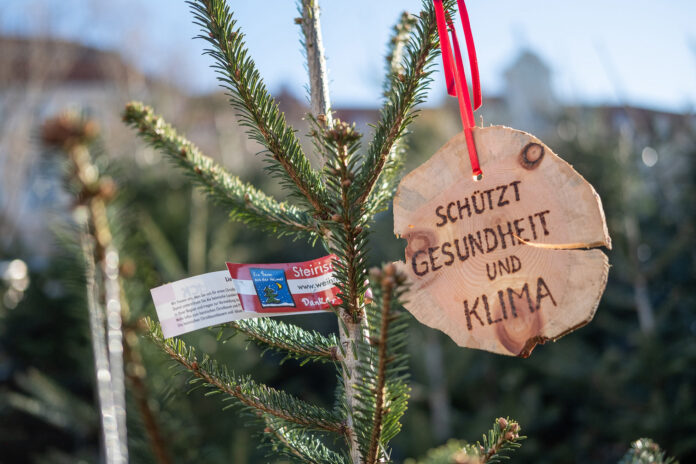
[
  {"x": 397, "y": 44},
  {"x": 106, "y": 301},
  {"x": 246, "y": 203},
  {"x": 383, "y": 191},
  {"x": 386, "y": 306},
  {"x": 383, "y": 391},
  {"x": 297, "y": 444},
  {"x": 290, "y": 339},
  {"x": 246, "y": 392},
  {"x": 73, "y": 135},
  {"x": 501, "y": 439},
  {"x": 316, "y": 63},
  {"x": 347, "y": 221},
  {"x": 257, "y": 110},
  {"x": 348, "y": 241},
  {"x": 406, "y": 92},
  {"x": 646, "y": 451}
]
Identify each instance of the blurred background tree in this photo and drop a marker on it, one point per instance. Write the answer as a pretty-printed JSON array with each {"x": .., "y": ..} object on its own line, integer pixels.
[{"x": 584, "y": 399}]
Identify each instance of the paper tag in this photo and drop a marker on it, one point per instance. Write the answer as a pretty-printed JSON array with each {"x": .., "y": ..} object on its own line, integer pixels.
[
  {"x": 201, "y": 301},
  {"x": 286, "y": 287}
]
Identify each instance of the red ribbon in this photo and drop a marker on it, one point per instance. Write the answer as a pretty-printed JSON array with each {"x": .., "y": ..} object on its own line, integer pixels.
[{"x": 455, "y": 76}]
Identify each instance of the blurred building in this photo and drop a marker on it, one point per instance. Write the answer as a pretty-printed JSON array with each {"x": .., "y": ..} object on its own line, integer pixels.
[
  {"x": 41, "y": 77},
  {"x": 528, "y": 101}
]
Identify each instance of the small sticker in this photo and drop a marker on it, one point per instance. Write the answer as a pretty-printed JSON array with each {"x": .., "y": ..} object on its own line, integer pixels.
[
  {"x": 271, "y": 287},
  {"x": 286, "y": 287}
]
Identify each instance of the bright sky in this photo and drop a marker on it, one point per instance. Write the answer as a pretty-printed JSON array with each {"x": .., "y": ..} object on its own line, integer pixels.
[{"x": 640, "y": 51}]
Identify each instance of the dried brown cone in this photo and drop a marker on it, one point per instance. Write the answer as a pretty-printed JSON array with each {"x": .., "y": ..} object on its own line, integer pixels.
[{"x": 67, "y": 130}]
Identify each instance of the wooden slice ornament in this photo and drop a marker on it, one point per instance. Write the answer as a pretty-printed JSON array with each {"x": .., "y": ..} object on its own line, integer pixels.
[{"x": 503, "y": 263}]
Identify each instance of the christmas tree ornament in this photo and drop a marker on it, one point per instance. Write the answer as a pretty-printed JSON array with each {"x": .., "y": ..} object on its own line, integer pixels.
[{"x": 498, "y": 256}]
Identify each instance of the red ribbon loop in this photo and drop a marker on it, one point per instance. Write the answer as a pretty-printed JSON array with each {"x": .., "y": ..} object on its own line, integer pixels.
[{"x": 455, "y": 76}]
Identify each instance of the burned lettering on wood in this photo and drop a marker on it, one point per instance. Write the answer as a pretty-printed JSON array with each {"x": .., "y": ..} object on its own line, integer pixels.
[
  {"x": 478, "y": 202},
  {"x": 486, "y": 259},
  {"x": 521, "y": 302},
  {"x": 510, "y": 265},
  {"x": 425, "y": 254}
]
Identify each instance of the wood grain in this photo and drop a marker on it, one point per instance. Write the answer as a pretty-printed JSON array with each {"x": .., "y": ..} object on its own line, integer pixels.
[{"x": 496, "y": 263}]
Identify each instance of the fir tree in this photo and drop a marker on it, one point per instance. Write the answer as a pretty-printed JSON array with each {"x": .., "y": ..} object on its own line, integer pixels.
[
  {"x": 333, "y": 206},
  {"x": 117, "y": 358}
]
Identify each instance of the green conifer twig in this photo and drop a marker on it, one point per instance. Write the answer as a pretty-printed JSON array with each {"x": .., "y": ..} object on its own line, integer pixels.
[
  {"x": 347, "y": 239},
  {"x": 407, "y": 91},
  {"x": 297, "y": 444},
  {"x": 348, "y": 236},
  {"x": 387, "y": 284},
  {"x": 258, "y": 111},
  {"x": 382, "y": 386},
  {"x": 106, "y": 301},
  {"x": 646, "y": 451},
  {"x": 502, "y": 438},
  {"x": 246, "y": 203},
  {"x": 248, "y": 393},
  {"x": 290, "y": 339},
  {"x": 384, "y": 189}
]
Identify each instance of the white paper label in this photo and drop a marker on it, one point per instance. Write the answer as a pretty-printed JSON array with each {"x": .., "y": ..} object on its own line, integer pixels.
[{"x": 201, "y": 301}]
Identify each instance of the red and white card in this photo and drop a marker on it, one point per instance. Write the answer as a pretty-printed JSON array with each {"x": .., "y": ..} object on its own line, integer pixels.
[{"x": 286, "y": 287}]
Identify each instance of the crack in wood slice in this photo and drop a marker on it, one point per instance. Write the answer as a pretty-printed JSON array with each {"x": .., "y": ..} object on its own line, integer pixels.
[{"x": 505, "y": 263}]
